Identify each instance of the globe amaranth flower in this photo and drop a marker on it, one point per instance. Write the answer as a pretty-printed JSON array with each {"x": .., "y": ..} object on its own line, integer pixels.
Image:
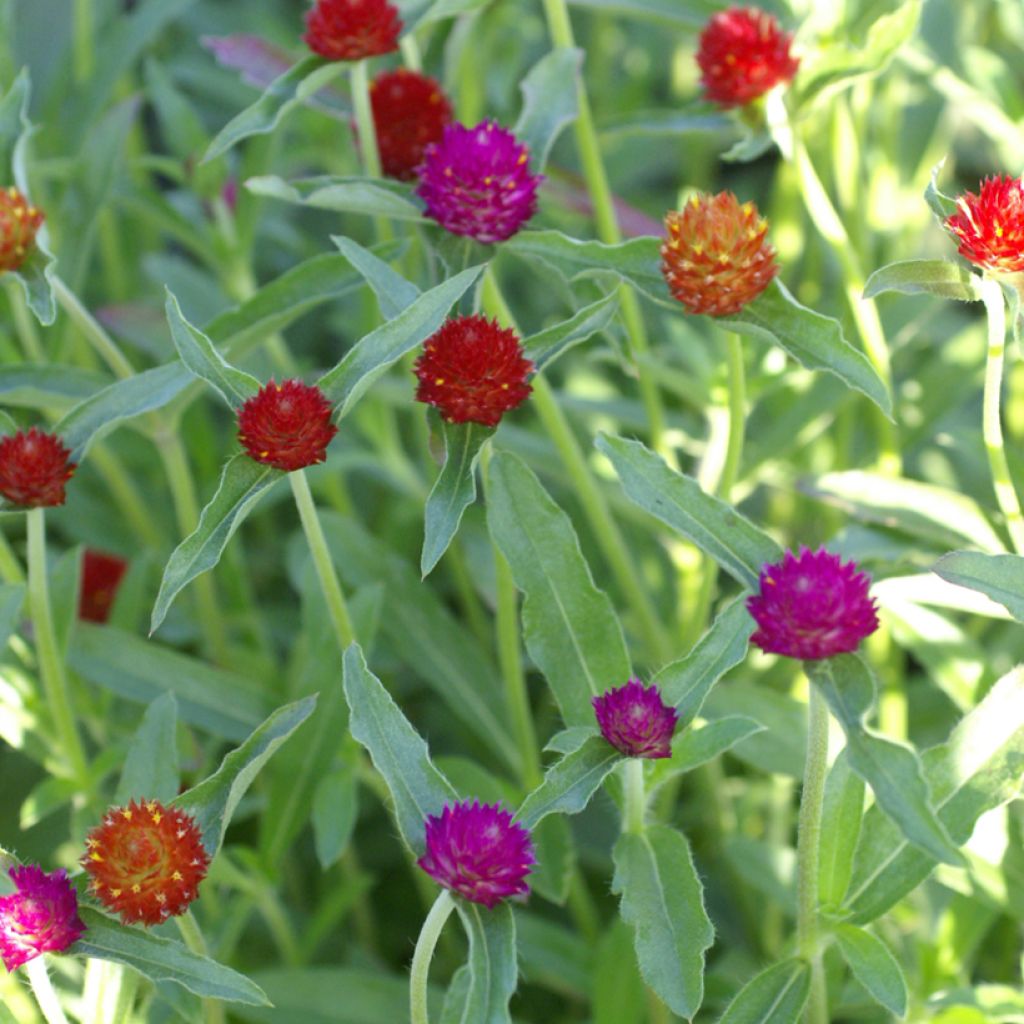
[
  {"x": 812, "y": 606},
  {"x": 636, "y": 721},
  {"x": 742, "y": 54},
  {"x": 716, "y": 258},
  {"x": 146, "y": 861},
  {"x": 477, "y": 182},
  {"x": 19, "y": 224},
  {"x": 473, "y": 371},
  {"x": 40, "y": 916},
  {"x": 34, "y": 467},
  {"x": 101, "y": 576},
  {"x": 478, "y": 851},
  {"x": 287, "y": 425},
  {"x": 990, "y": 225},
  {"x": 410, "y": 112},
  {"x": 352, "y": 29}
]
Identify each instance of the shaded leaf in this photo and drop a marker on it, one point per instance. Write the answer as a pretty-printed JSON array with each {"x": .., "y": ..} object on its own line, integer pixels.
[
  {"x": 693, "y": 747},
  {"x": 547, "y": 345},
  {"x": 1000, "y": 577},
  {"x": 776, "y": 996},
  {"x": 394, "y": 292},
  {"x": 550, "y": 102},
  {"x": 840, "y": 828},
  {"x": 943, "y": 278},
  {"x": 151, "y": 765},
  {"x": 493, "y": 970},
  {"x": 374, "y": 197},
  {"x": 874, "y": 966}
]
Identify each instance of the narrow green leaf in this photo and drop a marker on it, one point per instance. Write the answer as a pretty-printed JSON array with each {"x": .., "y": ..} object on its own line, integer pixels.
[
  {"x": 449, "y": 9},
  {"x": 874, "y": 966},
  {"x": 565, "y": 741},
  {"x": 335, "y": 809},
  {"x": 840, "y": 828},
  {"x": 571, "y": 630},
  {"x": 665, "y": 122},
  {"x": 776, "y": 996},
  {"x": 892, "y": 770},
  {"x": 547, "y": 345},
  {"x": 48, "y": 387},
  {"x": 162, "y": 960},
  {"x": 394, "y": 292},
  {"x": 550, "y": 102},
  {"x": 813, "y": 340},
  {"x": 1000, "y": 577},
  {"x": 213, "y": 801},
  {"x": 617, "y": 989},
  {"x": 693, "y": 747},
  {"x": 455, "y": 998},
  {"x": 663, "y": 901},
  {"x": 570, "y": 783},
  {"x": 373, "y": 197},
  {"x": 944, "y": 278},
  {"x": 493, "y": 970},
  {"x": 693, "y": 14},
  {"x": 398, "y": 752},
  {"x": 12, "y": 597},
  {"x": 716, "y": 528},
  {"x": 151, "y": 766},
  {"x": 941, "y": 205},
  {"x": 552, "y": 875}
]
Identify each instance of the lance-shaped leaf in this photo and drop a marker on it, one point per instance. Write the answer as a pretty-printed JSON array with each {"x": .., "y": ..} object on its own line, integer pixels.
[
  {"x": 372, "y": 356},
  {"x": 571, "y": 630},
  {"x": 570, "y": 783},
  {"x": 944, "y": 278},
  {"x": 813, "y": 340},
  {"x": 842, "y": 812},
  {"x": 394, "y": 292},
  {"x": 397, "y": 750},
  {"x": 874, "y": 966},
  {"x": 670, "y": 121},
  {"x": 373, "y": 197},
  {"x": 162, "y": 960},
  {"x": 941, "y": 205},
  {"x": 663, "y": 901},
  {"x": 295, "y": 86},
  {"x": 693, "y": 15},
  {"x": 715, "y": 527},
  {"x": 453, "y": 491},
  {"x": 550, "y": 102},
  {"x": 891, "y": 769},
  {"x": 547, "y": 345},
  {"x": 693, "y": 747},
  {"x": 775, "y": 996},
  {"x": 242, "y": 484},
  {"x": 151, "y": 766},
  {"x": 492, "y": 965},
  {"x": 213, "y": 801},
  {"x": 1000, "y": 577}
]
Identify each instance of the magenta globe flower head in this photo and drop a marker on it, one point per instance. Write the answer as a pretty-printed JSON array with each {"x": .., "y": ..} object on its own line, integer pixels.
[
  {"x": 478, "y": 851},
  {"x": 477, "y": 182},
  {"x": 40, "y": 916},
  {"x": 636, "y": 721},
  {"x": 812, "y": 606}
]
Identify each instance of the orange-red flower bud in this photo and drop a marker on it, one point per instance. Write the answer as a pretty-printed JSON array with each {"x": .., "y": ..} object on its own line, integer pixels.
[
  {"x": 990, "y": 225},
  {"x": 19, "y": 223}
]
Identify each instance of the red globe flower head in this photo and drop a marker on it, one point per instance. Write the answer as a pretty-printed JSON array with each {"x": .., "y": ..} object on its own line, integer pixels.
[
  {"x": 352, "y": 29},
  {"x": 477, "y": 182},
  {"x": 19, "y": 223},
  {"x": 101, "y": 576},
  {"x": 636, "y": 721},
  {"x": 34, "y": 467},
  {"x": 287, "y": 425},
  {"x": 40, "y": 916},
  {"x": 409, "y": 113},
  {"x": 477, "y": 851},
  {"x": 473, "y": 371},
  {"x": 812, "y": 606},
  {"x": 742, "y": 54},
  {"x": 716, "y": 257},
  {"x": 990, "y": 225},
  {"x": 146, "y": 861}
]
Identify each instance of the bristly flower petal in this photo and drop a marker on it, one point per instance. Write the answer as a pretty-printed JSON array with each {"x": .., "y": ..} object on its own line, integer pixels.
[
  {"x": 20, "y": 221},
  {"x": 40, "y": 916},
  {"x": 287, "y": 425},
  {"x": 636, "y": 721},
  {"x": 410, "y": 111},
  {"x": 352, "y": 29},
  {"x": 990, "y": 225},
  {"x": 34, "y": 467}
]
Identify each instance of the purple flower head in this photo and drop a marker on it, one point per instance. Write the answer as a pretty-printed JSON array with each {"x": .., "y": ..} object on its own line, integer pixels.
[
  {"x": 477, "y": 182},
  {"x": 812, "y": 606},
  {"x": 40, "y": 916},
  {"x": 636, "y": 721},
  {"x": 477, "y": 851}
]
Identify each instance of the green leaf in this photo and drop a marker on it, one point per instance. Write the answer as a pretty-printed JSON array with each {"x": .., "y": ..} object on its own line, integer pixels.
[
  {"x": 550, "y": 102},
  {"x": 813, "y": 340},
  {"x": 943, "y": 278},
  {"x": 449, "y": 9},
  {"x": 840, "y": 828},
  {"x": 456, "y": 996},
  {"x": 12, "y": 597},
  {"x": 891, "y": 769},
  {"x": 567, "y": 740},
  {"x": 571, "y": 630},
  {"x": 335, "y": 809},
  {"x": 570, "y": 783},
  {"x": 551, "y": 876},
  {"x": 1000, "y": 577},
  {"x": 372, "y": 356},
  {"x": 874, "y": 966},
  {"x": 493, "y": 970},
  {"x": 776, "y": 996},
  {"x": 942, "y": 206},
  {"x": 693, "y": 14},
  {"x": 663, "y": 901},
  {"x": 214, "y": 800},
  {"x": 199, "y": 355},
  {"x": 716, "y": 528},
  {"x": 693, "y": 747},
  {"x": 151, "y": 766},
  {"x": 162, "y": 960},
  {"x": 617, "y": 988},
  {"x": 665, "y": 122},
  {"x": 547, "y": 345},
  {"x": 980, "y": 767},
  {"x": 394, "y": 292},
  {"x": 287, "y": 91},
  {"x": 242, "y": 484},
  {"x": 398, "y": 751},
  {"x": 374, "y": 197}
]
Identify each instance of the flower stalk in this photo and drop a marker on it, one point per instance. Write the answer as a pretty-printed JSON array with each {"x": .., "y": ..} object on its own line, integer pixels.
[
  {"x": 424, "y": 953},
  {"x": 43, "y": 990}
]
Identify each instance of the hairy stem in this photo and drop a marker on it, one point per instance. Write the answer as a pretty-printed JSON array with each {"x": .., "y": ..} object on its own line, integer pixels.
[
  {"x": 43, "y": 990},
  {"x": 188, "y": 926},
  {"x": 425, "y": 946}
]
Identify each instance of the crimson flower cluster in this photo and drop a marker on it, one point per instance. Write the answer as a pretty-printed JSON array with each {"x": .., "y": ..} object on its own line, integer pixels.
[
  {"x": 101, "y": 576},
  {"x": 410, "y": 111},
  {"x": 287, "y": 425},
  {"x": 352, "y": 29},
  {"x": 34, "y": 467},
  {"x": 40, "y": 916},
  {"x": 990, "y": 225}
]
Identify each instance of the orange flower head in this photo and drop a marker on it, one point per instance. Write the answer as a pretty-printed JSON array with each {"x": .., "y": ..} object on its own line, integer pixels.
[
  {"x": 146, "y": 861},
  {"x": 716, "y": 258},
  {"x": 352, "y": 29},
  {"x": 19, "y": 223},
  {"x": 990, "y": 225}
]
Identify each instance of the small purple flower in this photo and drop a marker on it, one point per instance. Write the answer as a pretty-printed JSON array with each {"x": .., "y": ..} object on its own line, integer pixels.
[
  {"x": 812, "y": 606},
  {"x": 477, "y": 851},
  {"x": 636, "y": 721},
  {"x": 40, "y": 916},
  {"x": 477, "y": 182}
]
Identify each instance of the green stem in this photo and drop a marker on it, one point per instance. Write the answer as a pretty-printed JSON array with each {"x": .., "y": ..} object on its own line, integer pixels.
[
  {"x": 127, "y": 982},
  {"x": 329, "y": 583},
  {"x": 126, "y": 495},
  {"x": 83, "y": 40},
  {"x": 737, "y": 416},
  {"x": 425, "y": 946},
  {"x": 43, "y": 990},
  {"x": 28, "y": 334},
  {"x": 367, "y": 130},
  {"x": 51, "y": 664},
  {"x": 808, "y": 843},
  {"x": 991, "y": 425},
  {"x": 213, "y": 1009},
  {"x": 93, "y": 331},
  {"x": 635, "y": 796}
]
